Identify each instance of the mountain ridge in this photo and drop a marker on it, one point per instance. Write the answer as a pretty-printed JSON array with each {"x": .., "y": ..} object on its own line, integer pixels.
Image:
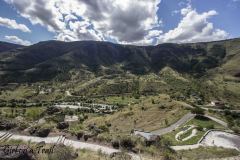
[
  {"x": 6, "y": 46},
  {"x": 46, "y": 60}
]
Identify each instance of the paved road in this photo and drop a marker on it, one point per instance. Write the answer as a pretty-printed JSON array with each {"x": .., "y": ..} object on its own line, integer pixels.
[
  {"x": 4, "y": 136},
  {"x": 174, "y": 126}
]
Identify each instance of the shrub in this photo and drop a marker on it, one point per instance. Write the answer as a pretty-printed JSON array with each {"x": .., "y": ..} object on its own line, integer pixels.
[
  {"x": 80, "y": 135},
  {"x": 43, "y": 132},
  {"x": 127, "y": 143},
  {"x": 85, "y": 137},
  {"x": 62, "y": 125},
  {"x": 198, "y": 111},
  {"x": 115, "y": 144}
]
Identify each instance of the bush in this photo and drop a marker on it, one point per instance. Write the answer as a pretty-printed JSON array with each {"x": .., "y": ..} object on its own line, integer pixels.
[
  {"x": 80, "y": 135},
  {"x": 43, "y": 132},
  {"x": 127, "y": 143},
  {"x": 62, "y": 125},
  {"x": 115, "y": 144},
  {"x": 198, "y": 111},
  {"x": 85, "y": 137}
]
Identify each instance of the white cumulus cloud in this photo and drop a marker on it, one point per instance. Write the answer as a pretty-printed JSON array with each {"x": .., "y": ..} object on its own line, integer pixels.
[
  {"x": 12, "y": 24},
  {"x": 125, "y": 21},
  {"x": 121, "y": 21},
  {"x": 194, "y": 27},
  {"x": 17, "y": 40}
]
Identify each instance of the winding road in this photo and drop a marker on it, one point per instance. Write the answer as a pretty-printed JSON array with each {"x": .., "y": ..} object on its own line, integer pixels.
[
  {"x": 211, "y": 138},
  {"x": 187, "y": 118},
  {"x": 182, "y": 121},
  {"x": 174, "y": 126}
]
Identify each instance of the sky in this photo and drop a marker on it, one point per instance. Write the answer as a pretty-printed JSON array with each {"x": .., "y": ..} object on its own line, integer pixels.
[{"x": 136, "y": 22}]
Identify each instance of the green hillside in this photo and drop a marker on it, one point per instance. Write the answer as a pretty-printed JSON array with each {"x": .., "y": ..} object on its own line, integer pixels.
[{"x": 205, "y": 71}]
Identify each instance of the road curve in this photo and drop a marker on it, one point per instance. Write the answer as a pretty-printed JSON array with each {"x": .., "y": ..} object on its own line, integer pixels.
[{"x": 174, "y": 126}]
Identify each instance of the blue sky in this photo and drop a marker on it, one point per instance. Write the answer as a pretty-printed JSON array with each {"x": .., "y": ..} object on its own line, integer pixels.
[{"x": 137, "y": 22}]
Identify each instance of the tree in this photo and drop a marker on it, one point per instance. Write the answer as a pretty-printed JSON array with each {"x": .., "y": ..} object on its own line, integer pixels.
[
  {"x": 127, "y": 143},
  {"x": 198, "y": 111}
]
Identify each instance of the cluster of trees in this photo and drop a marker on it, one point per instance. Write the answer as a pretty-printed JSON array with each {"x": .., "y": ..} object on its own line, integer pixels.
[{"x": 198, "y": 111}]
